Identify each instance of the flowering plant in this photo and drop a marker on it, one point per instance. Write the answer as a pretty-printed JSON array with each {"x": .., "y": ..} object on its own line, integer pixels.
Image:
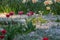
[
  {"x": 39, "y": 19},
  {"x": 15, "y": 29},
  {"x": 2, "y": 33},
  {"x": 31, "y": 5}
]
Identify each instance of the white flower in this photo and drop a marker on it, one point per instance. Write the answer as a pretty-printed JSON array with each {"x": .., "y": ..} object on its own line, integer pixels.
[{"x": 24, "y": 1}]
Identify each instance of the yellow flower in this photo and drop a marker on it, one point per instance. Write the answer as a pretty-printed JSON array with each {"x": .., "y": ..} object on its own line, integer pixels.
[{"x": 47, "y": 8}]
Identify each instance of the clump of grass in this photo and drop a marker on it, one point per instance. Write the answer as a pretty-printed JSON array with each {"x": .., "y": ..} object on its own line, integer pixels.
[{"x": 57, "y": 20}]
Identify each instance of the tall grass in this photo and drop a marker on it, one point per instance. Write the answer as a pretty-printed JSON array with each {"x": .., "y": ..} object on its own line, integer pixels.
[{"x": 17, "y": 5}]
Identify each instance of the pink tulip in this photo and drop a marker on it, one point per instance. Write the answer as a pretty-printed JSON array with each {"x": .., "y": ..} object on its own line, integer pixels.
[
  {"x": 30, "y": 13},
  {"x": 20, "y": 12}
]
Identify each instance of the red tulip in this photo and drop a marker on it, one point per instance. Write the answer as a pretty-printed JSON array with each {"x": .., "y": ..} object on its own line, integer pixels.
[
  {"x": 2, "y": 36},
  {"x": 3, "y": 31},
  {"x": 20, "y": 13},
  {"x": 11, "y": 13},
  {"x": 7, "y": 15},
  {"x": 45, "y": 38}
]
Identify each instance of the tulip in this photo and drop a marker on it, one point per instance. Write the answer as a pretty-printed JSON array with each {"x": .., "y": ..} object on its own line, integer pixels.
[
  {"x": 2, "y": 36},
  {"x": 45, "y": 38},
  {"x": 7, "y": 15},
  {"x": 11, "y": 13},
  {"x": 20, "y": 13},
  {"x": 30, "y": 13},
  {"x": 3, "y": 31}
]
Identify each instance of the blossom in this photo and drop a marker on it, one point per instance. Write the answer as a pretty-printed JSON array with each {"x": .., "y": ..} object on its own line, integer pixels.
[
  {"x": 24, "y": 1},
  {"x": 30, "y": 13},
  {"x": 1, "y": 36},
  {"x": 3, "y": 31},
  {"x": 48, "y": 2},
  {"x": 20, "y": 13},
  {"x": 7, "y": 15},
  {"x": 47, "y": 8},
  {"x": 45, "y": 38},
  {"x": 11, "y": 13}
]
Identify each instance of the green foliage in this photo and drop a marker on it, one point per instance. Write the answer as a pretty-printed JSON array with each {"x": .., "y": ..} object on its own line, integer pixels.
[
  {"x": 58, "y": 20},
  {"x": 56, "y": 8},
  {"x": 17, "y": 5}
]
